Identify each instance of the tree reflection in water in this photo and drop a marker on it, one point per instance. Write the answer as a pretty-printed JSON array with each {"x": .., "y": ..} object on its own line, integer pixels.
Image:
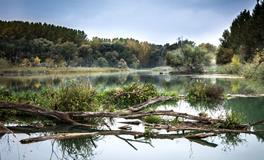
[{"x": 78, "y": 148}]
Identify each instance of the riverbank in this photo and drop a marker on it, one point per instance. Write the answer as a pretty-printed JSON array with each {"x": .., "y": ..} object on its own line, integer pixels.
[{"x": 26, "y": 71}]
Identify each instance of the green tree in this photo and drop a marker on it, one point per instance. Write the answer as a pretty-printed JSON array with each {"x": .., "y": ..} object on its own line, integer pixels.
[
  {"x": 122, "y": 64},
  {"x": 188, "y": 59},
  {"x": 101, "y": 62}
]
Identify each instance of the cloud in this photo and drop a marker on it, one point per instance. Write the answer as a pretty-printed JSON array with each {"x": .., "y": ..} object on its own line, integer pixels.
[{"x": 158, "y": 21}]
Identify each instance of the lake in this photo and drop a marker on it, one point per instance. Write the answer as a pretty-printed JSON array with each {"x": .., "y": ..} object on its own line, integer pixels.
[{"x": 224, "y": 146}]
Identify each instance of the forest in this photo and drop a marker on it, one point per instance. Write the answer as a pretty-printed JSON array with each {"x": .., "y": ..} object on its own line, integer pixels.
[
  {"x": 67, "y": 95},
  {"x": 35, "y": 44},
  {"x": 245, "y": 36}
]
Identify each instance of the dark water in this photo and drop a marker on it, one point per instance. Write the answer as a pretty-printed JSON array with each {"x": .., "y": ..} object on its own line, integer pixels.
[{"x": 228, "y": 146}]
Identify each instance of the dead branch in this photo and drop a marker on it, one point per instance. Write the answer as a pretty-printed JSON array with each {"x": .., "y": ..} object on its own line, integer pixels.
[
  {"x": 200, "y": 135},
  {"x": 261, "y": 122},
  {"x": 4, "y": 129},
  {"x": 203, "y": 142},
  {"x": 31, "y": 109},
  {"x": 149, "y": 102},
  {"x": 62, "y": 136},
  {"x": 68, "y": 117}
]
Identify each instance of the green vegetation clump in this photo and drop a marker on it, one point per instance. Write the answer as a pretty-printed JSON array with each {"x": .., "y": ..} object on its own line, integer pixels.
[
  {"x": 82, "y": 97},
  {"x": 188, "y": 58},
  {"x": 153, "y": 119},
  {"x": 205, "y": 92},
  {"x": 130, "y": 95},
  {"x": 233, "y": 68},
  {"x": 233, "y": 119},
  {"x": 76, "y": 97}
]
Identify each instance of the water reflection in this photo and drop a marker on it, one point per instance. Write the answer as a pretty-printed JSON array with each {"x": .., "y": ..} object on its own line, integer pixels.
[
  {"x": 224, "y": 146},
  {"x": 178, "y": 83}
]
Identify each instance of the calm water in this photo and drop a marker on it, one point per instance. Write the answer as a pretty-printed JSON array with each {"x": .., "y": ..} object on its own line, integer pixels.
[{"x": 238, "y": 146}]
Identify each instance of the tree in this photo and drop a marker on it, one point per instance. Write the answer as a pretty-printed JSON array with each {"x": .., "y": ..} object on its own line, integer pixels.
[
  {"x": 188, "y": 59},
  {"x": 122, "y": 64},
  {"x": 49, "y": 62},
  {"x": 101, "y": 62},
  {"x": 25, "y": 63},
  {"x": 67, "y": 49},
  {"x": 36, "y": 61},
  {"x": 245, "y": 36}
]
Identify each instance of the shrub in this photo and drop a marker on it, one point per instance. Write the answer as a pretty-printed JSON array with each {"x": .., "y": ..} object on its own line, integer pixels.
[
  {"x": 131, "y": 95},
  {"x": 233, "y": 119},
  {"x": 4, "y": 63},
  {"x": 25, "y": 63},
  {"x": 153, "y": 119},
  {"x": 232, "y": 68},
  {"x": 228, "y": 69},
  {"x": 248, "y": 70},
  {"x": 205, "y": 92},
  {"x": 76, "y": 97},
  {"x": 260, "y": 72}
]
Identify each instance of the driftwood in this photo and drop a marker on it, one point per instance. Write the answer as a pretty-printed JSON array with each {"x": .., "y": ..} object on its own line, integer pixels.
[
  {"x": 136, "y": 115},
  {"x": 200, "y": 135},
  {"x": 68, "y": 117},
  {"x": 131, "y": 122},
  {"x": 28, "y": 108},
  {"x": 154, "y": 100},
  {"x": 197, "y": 127},
  {"x": 4, "y": 129},
  {"x": 63, "y": 136},
  {"x": 137, "y": 135},
  {"x": 261, "y": 122},
  {"x": 203, "y": 142}
]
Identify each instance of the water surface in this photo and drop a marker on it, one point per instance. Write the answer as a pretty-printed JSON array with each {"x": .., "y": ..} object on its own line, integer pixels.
[{"x": 229, "y": 146}]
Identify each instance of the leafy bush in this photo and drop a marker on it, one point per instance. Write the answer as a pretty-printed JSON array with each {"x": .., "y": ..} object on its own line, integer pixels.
[
  {"x": 248, "y": 70},
  {"x": 205, "y": 92},
  {"x": 4, "y": 63},
  {"x": 233, "y": 119},
  {"x": 253, "y": 71},
  {"x": 153, "y": 119},
  {"x": 131, "y": 95},
  {"x": 260, "y": 72},
  {"x": 76, "y": 97}
]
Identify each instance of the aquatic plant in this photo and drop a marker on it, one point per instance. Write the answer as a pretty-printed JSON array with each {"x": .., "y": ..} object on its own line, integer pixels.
[
  {"x": 132, "y": 94},
  {"x": 153, "y": 119},
  {"x": 233, "y": 119},
  {"x": 76, "y": 97},
  {"x": 205, "y": 92}
]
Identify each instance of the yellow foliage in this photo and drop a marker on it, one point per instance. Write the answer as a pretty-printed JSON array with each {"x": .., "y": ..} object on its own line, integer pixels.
[
  {"x": 36, "y": 61},
  {"x": 235, "y": 60},
  {"x": 25, "y": 63}
]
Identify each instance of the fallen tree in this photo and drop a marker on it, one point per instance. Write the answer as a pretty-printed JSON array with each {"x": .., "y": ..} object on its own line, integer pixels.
[
  {"x": 68, "y": 117},
  {"x": 192, "y": 126}
]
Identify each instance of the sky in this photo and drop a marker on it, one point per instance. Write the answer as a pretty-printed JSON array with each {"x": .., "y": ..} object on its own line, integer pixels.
[{"x": 156, "y": 21}]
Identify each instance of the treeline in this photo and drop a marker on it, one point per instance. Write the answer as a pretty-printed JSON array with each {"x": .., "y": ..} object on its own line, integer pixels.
[
  {"x": 245, "y": 38},
  {"x": 41, "y": 44}
]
